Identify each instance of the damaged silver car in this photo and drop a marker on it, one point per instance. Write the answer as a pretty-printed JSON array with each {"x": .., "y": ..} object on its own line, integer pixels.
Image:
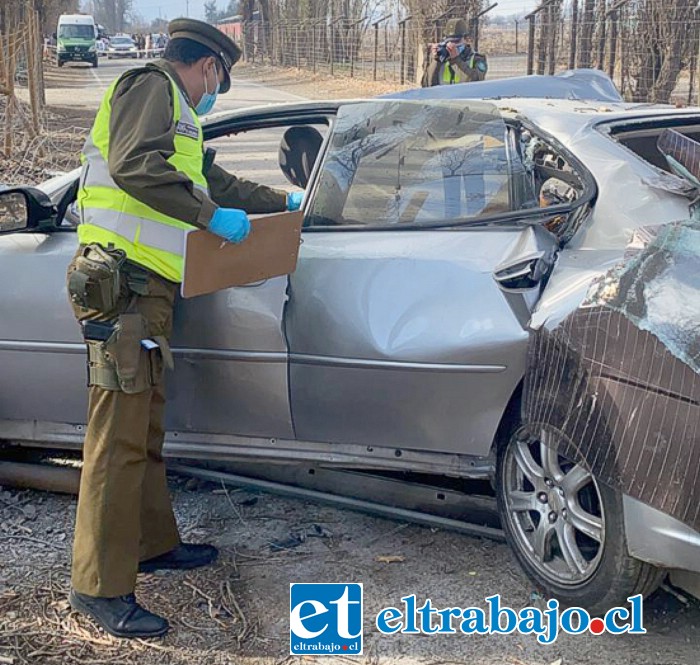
[{"x": 502, "y": 288}]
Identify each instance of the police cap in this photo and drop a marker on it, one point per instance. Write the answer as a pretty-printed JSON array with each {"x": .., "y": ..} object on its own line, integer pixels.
[
  {"x": 456, "y": 28},
  {"x": 222, "y": 45}
]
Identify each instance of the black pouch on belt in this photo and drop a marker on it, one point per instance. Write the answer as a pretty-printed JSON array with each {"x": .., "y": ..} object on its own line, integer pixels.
[{"x": 95, "y": 282}]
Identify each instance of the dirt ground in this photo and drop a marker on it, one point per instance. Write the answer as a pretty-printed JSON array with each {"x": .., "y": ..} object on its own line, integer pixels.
[
  {"x": 315, "y": 86},
  {"x": 237, "y": 611}
]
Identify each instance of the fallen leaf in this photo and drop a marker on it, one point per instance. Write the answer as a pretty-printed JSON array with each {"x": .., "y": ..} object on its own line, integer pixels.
[
  {"x": 390, "y": 558},
  {"x": 472, "y": 573},
  {"x": 558, "y": 661}
]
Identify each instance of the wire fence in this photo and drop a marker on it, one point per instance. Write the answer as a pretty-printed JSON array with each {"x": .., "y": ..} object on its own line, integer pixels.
[{"x": 650, "y": 60}]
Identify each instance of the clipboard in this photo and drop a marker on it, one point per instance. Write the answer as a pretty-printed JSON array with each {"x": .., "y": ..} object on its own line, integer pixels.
[{"x": 270, "y": 250}]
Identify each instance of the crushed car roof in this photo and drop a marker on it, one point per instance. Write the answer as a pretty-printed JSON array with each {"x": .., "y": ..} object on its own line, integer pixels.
[{"x": 578, "y": 84}]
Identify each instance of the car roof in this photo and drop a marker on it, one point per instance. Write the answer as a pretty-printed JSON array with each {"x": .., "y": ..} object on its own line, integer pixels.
[
  {"x": 561, "y": 117},
  {"x": 579, "y": 84}
]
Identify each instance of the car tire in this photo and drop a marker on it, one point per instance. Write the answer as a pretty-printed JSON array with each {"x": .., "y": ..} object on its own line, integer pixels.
[
  {"x": 551, "y": 510},
  {"x": 59, "y": 63}
]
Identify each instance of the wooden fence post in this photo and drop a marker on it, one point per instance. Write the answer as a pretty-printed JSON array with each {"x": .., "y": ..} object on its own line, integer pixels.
[
  {"x": 402, "y": 25},
  {"x": 574, "y": 34},
  {"x": 375, "y": 25}
]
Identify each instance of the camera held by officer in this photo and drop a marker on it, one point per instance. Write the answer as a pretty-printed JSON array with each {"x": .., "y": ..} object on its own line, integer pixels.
[{"x": 453, "y": 60}]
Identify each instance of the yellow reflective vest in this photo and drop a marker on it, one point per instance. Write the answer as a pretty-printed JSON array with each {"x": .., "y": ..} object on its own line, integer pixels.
[
  {"x": 453, "y": 74},
  {"x": 110, "y": 216}
]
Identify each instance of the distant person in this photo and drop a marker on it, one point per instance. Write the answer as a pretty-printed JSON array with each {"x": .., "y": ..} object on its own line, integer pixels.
[{"x": 453, "y": 60}]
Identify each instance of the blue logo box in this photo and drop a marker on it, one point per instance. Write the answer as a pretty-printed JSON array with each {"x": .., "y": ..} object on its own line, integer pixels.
[{"x": 325, "y": 619}]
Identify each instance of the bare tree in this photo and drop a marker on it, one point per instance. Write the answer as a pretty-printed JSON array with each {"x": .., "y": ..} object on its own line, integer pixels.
[
  {"x": 113, "y": 14},
  {"x": 662, "y": 42},
  {"x": 13, "y": 11},
  {"x": 585, "y": 50}
]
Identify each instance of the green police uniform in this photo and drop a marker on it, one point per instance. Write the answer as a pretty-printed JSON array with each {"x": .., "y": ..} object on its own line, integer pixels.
[
  {"x": 460, "y": 70},
  {"x": 142, "y": 186}
]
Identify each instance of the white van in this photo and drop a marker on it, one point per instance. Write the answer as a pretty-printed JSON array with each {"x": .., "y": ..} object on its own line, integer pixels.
[{"x": 76, "y": 39}]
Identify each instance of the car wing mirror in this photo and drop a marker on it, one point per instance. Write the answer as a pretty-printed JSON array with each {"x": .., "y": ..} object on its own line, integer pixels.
[{"x": 24, "y": 209}]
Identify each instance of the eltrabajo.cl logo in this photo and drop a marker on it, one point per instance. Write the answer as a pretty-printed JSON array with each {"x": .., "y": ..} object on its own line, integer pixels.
[{"x": 325, "y": 619}]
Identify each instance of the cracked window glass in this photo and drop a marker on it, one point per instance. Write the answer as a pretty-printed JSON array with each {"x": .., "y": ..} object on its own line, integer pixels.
[{"x": 391, "y": 163}]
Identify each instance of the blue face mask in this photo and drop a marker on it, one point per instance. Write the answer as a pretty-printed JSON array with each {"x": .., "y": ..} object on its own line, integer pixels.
[{"x": 206, "y": 103}]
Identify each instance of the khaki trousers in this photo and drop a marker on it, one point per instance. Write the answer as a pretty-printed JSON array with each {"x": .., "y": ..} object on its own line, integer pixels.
[{"x": 124, "y": 510}]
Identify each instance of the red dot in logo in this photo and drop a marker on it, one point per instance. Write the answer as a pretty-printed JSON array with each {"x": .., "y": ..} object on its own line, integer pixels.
[
  {"x": 345, "y": 647},
  {"x": 597, "y": 626}
]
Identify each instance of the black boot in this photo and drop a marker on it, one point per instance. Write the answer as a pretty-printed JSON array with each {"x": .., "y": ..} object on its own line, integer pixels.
[
  {"x": 183, "y": 557},
  {"x": 121, "y": 616}
]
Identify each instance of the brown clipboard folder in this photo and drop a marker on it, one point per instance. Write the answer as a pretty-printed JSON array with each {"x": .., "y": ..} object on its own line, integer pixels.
[{"x": 270, "y": 250}]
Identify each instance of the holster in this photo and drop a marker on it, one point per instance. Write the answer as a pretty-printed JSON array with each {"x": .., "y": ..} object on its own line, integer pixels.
[{"x": 122, "y": 357}]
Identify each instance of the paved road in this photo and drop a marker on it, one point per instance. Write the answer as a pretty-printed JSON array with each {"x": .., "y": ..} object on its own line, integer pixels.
[
  {"x": 82, "y": 86},
  {"x": 254, "y": 155}
]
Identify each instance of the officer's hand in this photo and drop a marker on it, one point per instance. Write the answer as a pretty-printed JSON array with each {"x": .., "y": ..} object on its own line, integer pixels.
[
  {"x": 230, "y": 224},
  {"x": 452, "y": 50},
  {"x": 294, "y": 200}
]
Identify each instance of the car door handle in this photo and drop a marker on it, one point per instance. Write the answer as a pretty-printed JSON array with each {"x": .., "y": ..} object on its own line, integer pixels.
[{"x": 525, "y": 273}]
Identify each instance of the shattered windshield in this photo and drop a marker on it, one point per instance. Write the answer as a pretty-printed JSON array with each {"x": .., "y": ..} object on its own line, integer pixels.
[{"x": 428, "y": 162}]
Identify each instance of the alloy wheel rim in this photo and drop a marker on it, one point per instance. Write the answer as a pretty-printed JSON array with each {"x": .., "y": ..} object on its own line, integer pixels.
[{"x": 554, "y": 509}]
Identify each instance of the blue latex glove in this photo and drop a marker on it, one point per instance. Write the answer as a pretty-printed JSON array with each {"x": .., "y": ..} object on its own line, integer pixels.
[
  {"x": 230, "y": 224},
  {"x": 294, "y": 200}
]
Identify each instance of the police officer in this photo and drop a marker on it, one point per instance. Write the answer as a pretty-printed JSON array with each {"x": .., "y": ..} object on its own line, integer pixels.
[
  {"x": 145, "y": 182},
  {"x": 464, "y": 64}
]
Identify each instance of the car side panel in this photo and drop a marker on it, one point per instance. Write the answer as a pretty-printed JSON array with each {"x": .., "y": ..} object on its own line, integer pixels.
[
  {"x": 404, "y": 338},
  {"x": 231, "y": 363},
  {"x": 42, "y": 356},
  {"x": 230, "y": 350}
]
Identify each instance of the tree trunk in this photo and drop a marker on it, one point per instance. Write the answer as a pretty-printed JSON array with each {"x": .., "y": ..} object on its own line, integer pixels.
[{"x": 586, "y": 30}]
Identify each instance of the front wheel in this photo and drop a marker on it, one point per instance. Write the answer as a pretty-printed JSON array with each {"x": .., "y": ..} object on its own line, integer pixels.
[{"x": 565, "y": 527}]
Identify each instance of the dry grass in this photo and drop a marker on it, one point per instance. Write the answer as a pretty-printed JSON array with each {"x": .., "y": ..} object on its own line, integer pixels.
[
  {"x": 316, "y": 86},
  {"x": 57, "y": 149}
]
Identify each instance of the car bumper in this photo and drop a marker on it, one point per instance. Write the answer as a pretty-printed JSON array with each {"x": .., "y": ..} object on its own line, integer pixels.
[
  {"x": 655, "y": 537},
  {"x": 77, "y": 57}
]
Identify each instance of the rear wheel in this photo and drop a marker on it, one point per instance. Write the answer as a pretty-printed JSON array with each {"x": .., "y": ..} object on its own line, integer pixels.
[{"x": 565, "y": 527}]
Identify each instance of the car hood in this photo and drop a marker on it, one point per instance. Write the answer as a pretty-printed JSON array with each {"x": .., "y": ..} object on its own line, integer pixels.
[{"x": 588, "y": 84}]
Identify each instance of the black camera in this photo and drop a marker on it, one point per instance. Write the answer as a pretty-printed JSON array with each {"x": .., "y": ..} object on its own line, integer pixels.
[{"x": 441, "y": 52}]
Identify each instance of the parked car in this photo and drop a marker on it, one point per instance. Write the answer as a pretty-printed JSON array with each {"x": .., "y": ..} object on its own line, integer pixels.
[
  {"x": 479, "y": 294},
  {"x": 122, "y": 46}
]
